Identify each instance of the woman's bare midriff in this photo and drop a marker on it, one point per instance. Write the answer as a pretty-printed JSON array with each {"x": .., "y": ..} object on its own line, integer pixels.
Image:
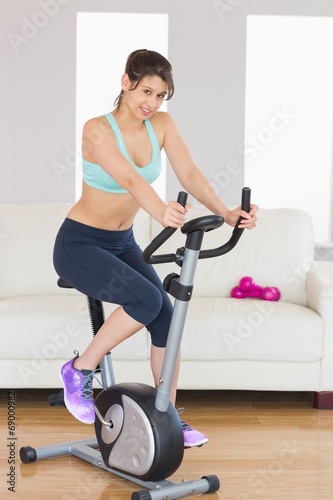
[{"x": 110, "y": 211}]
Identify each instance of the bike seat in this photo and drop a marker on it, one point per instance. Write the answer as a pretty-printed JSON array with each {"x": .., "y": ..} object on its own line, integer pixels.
[{"x": 63, "y": 283}]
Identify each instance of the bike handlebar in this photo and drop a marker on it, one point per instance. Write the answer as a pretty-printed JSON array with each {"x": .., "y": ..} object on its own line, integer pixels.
[
  {"x": 236, "y": 233},
  {"x": 167, "y": 232}
]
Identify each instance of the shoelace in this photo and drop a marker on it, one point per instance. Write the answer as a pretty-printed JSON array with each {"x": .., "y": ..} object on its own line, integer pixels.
[
  {"x": 180, "y": 410},
  {"x": 89, "y": 376},
  {"x": 186, "y": 426}
]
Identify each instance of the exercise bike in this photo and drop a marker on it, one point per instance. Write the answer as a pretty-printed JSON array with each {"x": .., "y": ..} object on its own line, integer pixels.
[{"x": 139, "y": 435}]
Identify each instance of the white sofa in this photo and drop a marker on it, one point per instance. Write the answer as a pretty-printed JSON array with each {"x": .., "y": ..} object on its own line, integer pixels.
[{"x": 228, "y": 343}]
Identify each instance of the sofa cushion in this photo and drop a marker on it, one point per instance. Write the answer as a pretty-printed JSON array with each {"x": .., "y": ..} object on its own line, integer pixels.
[
  {"x": 251, "y": 329},
  {"x": 27, "y": 248},
  {"x": 55, "y": 326}
]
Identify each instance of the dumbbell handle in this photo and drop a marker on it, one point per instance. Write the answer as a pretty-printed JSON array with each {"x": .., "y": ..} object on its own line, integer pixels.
[{"x": 238, "y": 293}]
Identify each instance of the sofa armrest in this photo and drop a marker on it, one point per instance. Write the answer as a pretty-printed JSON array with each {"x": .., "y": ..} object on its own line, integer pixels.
[
  {"x": 319, "y": 285},
  {"x": 320, "y": 298}
]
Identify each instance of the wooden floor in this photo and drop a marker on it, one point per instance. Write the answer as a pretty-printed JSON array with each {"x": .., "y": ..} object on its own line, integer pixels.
[{"x": 262, "y": 446}]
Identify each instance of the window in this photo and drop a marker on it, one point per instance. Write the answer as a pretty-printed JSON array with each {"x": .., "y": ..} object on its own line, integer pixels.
[
  {"x": 288, "y": 117},
  {"x": 104, "y": 40}
]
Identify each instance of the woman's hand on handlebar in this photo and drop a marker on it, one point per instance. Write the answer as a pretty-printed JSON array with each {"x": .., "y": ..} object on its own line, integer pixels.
[
  {"x": 248, "y": 219},
  {"x": 175, "y": 214}
]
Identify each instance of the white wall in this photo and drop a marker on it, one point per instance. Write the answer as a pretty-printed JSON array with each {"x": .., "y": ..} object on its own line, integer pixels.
[{"x": 37, "y": 87}]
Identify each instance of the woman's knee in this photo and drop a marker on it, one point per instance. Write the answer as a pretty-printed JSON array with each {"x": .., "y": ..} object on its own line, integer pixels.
[{"x": 145, "y": 306}]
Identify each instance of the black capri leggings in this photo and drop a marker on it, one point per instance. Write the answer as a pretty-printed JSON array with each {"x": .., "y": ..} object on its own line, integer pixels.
[{"x": 108, "y": 266}]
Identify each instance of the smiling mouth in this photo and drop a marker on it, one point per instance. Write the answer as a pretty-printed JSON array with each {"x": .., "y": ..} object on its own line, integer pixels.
[{"x": 146, "y": 111}]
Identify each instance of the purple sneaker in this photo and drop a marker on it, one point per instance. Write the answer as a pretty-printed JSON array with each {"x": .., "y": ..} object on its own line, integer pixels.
[
  {"x": 192, "y": 437},
  {"x": 78, "y": 392}
]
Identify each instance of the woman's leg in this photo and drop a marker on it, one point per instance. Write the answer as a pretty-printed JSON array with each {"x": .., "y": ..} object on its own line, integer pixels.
[
  {"x": 117, "y": 327},
  {"x": 88, "y": 263}
]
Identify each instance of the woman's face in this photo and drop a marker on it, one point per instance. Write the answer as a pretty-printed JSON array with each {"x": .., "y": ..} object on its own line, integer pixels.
[{"x": 147, "y": 97}]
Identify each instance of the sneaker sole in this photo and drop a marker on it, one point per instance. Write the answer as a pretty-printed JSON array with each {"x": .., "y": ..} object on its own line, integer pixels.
[{"x": 197, "y": 445}]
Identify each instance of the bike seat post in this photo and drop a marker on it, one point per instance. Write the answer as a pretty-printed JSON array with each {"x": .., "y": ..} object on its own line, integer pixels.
[{"x": 97, "y": 318}]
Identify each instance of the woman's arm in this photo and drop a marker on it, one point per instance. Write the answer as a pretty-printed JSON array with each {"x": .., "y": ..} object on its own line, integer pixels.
[{"x": 194, "y": 181}]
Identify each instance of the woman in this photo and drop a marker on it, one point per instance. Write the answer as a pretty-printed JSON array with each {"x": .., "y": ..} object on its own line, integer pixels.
[{"x": 95, "y": 245}]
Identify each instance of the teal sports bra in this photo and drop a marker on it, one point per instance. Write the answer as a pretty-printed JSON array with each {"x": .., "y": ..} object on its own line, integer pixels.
[{"x": 95, "y": 176}]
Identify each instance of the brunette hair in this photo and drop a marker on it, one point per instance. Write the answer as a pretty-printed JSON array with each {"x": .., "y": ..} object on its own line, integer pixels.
[{"x": 142, "y": 63}]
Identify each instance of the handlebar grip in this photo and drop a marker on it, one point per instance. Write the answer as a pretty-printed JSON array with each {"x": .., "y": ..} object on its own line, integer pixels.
[
  {"x": 245, "y": 204},
  {"x": 182, "y": 198},
  {"x": 246, "y": 199},
  {"x": 161, "y": 238}
]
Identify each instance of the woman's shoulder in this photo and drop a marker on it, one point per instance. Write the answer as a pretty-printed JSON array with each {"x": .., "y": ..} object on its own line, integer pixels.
[
  {"x": 97, "y": 132},
  {"x": 96, "y": 125},
  {"x": 164, "y": 126},
  {"x": 162, "y": 119},
  {"x": 96, "y": 121}
]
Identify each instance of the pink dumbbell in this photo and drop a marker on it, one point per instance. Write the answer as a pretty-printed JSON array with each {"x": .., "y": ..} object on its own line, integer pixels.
[
  {"x": 246, "y": 284},
  {"x": 271, "y": 293}
]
